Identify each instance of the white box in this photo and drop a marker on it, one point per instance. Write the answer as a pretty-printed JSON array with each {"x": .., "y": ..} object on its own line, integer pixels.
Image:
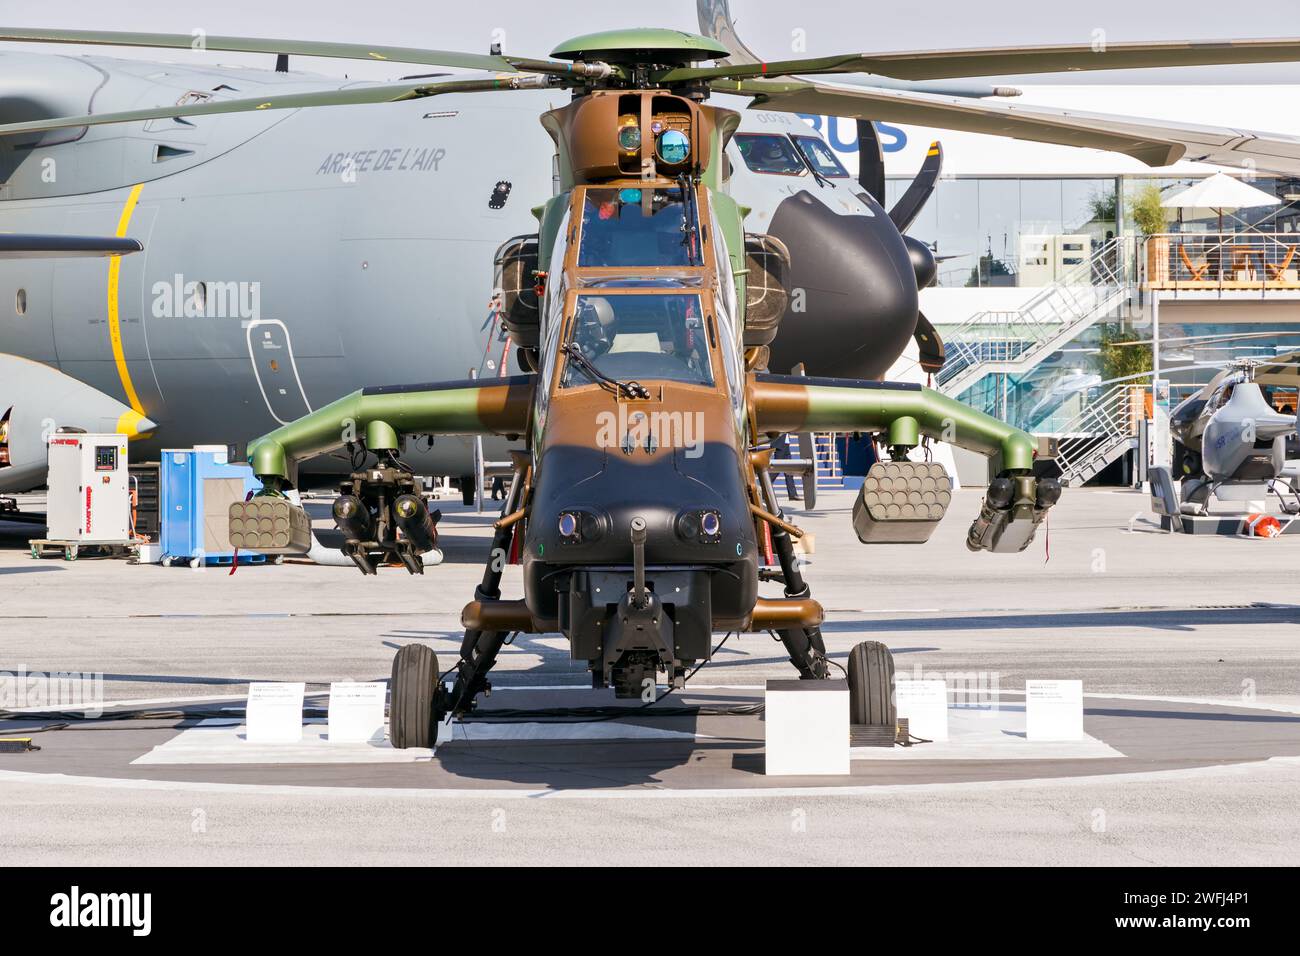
[
  {"x": 89, "y": 496},
  {"x": 925, "y": 705},
  {"x": 1054, "y": 710},
  {"x": 274, "y": 712},
  {"x": 807, "y": 727}
]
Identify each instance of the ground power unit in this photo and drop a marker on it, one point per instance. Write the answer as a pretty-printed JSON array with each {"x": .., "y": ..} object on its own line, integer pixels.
[{"x": 89, "y": 501}]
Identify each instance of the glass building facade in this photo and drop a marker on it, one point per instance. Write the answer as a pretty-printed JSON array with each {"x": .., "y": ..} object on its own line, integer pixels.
[{"x": 992, "y": 232}]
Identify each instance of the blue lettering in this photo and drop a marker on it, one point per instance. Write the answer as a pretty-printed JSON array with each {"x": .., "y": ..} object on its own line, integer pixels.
[
  {"x": 898, "y": 141},
  {"x": 837, "y": 144}
]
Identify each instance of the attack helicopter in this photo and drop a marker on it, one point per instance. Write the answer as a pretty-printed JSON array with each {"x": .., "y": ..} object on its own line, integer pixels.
[{"x": 641, "y": 504}]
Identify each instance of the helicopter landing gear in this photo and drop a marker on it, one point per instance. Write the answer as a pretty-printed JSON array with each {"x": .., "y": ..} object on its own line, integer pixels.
[
  {"x": 805, "y": 646},
  {"x": 414, "y": 698},
  {"x": 871, "y": 685},
  {"x": 479, "y": 649}
]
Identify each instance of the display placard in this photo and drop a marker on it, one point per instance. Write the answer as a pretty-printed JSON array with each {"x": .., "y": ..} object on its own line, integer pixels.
[
  {"x": 1054, "y": 709},
  {"x": 925, "y": 705},
  {"x": 356, "y": 711},
  {"x": 274, "y": 712}
]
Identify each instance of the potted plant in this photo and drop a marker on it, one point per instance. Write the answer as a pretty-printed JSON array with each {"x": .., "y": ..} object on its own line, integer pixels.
[{"x": 1149, "y": 217}]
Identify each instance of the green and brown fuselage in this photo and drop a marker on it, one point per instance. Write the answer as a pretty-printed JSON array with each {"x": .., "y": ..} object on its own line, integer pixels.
[{"x": 641, "y": 504}]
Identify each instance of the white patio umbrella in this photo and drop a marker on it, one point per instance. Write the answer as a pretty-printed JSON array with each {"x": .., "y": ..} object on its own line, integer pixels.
[{"x": 1220, "y": 192}]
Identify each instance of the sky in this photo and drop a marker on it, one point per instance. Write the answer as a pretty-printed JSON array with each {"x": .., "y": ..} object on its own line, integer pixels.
[{"x": 533, "y": 27}]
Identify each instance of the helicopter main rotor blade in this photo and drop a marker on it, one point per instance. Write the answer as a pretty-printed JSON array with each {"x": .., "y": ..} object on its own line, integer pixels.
[
  {"x": 1041, "y": 124},
  {"x": 1003, "y": 61},
  {"x": 351, "y": 96},
  {"x": 909, "y": 205},
  {"x": 496, "y": 63}
]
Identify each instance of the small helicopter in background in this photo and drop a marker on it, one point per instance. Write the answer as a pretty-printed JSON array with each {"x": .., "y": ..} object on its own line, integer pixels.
[{"x": 1230, "y": 442}]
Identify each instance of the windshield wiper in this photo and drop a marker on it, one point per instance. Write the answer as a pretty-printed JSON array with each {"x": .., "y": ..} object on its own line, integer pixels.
[
  {"x": 613, "y": 385},
  {"x": 690, "y": 220}
]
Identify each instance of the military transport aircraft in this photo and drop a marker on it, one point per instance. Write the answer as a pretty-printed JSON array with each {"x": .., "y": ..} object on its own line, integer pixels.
[{"x": 292, "y": 254}]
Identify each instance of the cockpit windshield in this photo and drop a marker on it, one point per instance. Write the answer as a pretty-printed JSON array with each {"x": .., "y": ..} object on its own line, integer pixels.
[
  {"x": 769, "y": 153},
  {"x": 634, "y": 227},
  {"x": 821, "y": 158},
  {"x": 638, "y": 337}
]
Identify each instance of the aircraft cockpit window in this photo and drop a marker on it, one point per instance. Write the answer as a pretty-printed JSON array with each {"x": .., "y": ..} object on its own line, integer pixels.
[
  {"x": 821, "y": 158},
  {"x": 769, "y": 153},
  {"x": 638, "y": 337},
  {"x": 634, "y": 228}
]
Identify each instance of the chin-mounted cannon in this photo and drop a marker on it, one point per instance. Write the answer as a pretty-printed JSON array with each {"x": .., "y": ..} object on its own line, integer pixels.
[{"x": 1014, "y": 506}]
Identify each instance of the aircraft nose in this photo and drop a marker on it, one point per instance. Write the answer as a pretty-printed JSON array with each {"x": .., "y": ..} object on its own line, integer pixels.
[
  {"x": 132, "y": 423},
  {"x": 856, "y": 284}
]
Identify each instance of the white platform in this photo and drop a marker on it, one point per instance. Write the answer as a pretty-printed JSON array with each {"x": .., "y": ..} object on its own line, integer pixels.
[
  {"x": 224, "y": 741},
  {"x": 484, "y": 731},
  {"x": 219, "y": 741},
  {"x": 999, "y": 734}
]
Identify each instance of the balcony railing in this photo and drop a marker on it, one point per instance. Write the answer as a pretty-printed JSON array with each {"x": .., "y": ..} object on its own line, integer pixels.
[{"x": 1222, "y": 261}]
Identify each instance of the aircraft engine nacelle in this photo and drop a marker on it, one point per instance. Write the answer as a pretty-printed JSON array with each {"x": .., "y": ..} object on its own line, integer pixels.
[
  {"x": 767, "y": 288},
  {"x": 35, "y": 400}
]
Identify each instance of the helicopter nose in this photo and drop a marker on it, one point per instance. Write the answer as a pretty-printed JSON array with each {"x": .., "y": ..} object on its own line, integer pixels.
[{"x": 856, "y": 284}]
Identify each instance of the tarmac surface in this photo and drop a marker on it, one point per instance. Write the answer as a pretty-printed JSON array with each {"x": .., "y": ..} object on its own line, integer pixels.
[{"x": 1188, "y": 648}]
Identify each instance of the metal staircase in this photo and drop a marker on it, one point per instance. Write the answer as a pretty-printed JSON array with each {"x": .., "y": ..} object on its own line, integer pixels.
[
  {"x": 1103, "y": 431},
  {"x": 830, "y": 471},
  {"x": 1015, "y": 341}
]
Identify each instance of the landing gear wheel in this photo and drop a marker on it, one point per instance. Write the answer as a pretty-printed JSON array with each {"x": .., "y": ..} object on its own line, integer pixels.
[
  {"x": 467, "y": 489},
  {"x": 412, "y": 717},
  {"x": 1188, "y": 462},
  {"x": 871, "y": 684}
]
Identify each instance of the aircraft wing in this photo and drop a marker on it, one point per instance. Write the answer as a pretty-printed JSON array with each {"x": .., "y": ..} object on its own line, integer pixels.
[
  {"x": 381, "y": 414},
  {"x": 17, "y": 245},
  {"x": 1154, "y": 142}
]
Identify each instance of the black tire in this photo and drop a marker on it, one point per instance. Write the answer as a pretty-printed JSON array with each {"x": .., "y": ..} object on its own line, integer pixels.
[
  {"x": 871, "y": 684},
  {"x": 467, "y": 489},
  {"x": 412, "y": 716}
]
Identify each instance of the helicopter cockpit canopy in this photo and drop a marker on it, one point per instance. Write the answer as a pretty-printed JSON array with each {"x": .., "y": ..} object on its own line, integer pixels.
[
  {"x": 640, "y": 336},
  {"x": 635, "y": 227}
]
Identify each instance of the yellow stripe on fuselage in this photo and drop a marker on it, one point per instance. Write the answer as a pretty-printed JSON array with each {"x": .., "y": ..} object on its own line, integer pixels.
[
  {"x": 128, "y": 424},
  {"x": 114, "y": 319}
]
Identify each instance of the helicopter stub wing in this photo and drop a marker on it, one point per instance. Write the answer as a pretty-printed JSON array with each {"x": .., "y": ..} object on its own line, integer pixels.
[
  {"x": 903, "y": 412},
  {"x": 379, "y": 416},
  {"x": 788, "y": 403}
]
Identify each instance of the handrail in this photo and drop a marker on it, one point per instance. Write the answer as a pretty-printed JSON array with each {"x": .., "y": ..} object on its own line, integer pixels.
[
  {"x": 1082, "y": 293},
  {"x": 1112, "y": 418},
  {"x": 1221, "y": 260}
]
